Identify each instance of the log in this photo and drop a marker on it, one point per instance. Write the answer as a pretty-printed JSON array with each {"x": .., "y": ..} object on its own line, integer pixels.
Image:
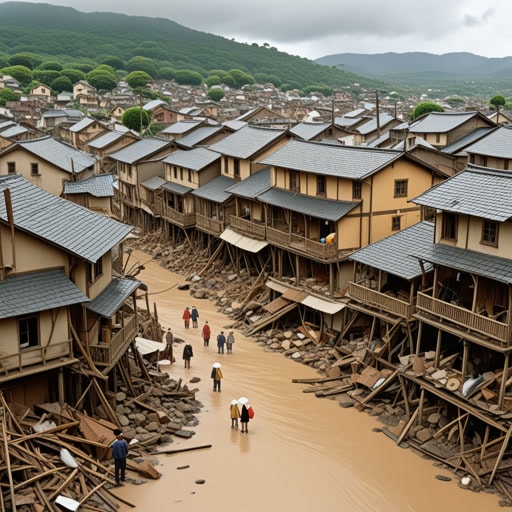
[{"x": 179, "y": 450}]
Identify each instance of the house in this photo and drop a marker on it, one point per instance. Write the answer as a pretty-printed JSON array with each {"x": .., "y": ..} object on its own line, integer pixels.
[
  {"x": 46, "y": 162},
  {"x": 181, "y": 128},
  {"x": 95, "y": 192},
  {"x": 162, "y": 112},
  {"x": 109, "y": 142},
  {"x": 135, "y": 164},
  {"x": 205, "y": 135},
  {"x": 61, "y": 309},
  {"x": 55, "y": 117},
  {"x": 85, "y": 130},
  {"x": 493, "y": 149},
  {"x": 316, "y": 131},
  {"x": 41, "y": 91}
]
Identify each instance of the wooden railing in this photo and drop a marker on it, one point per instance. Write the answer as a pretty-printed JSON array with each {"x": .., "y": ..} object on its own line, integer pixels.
[
  {"x": 247, "y": 227},
  {"x": 301, "y": 244},
  {"x": 465, "y": 318},
  {"x": 35, "y": 356},
  {"x": 103, "y": 354},
  {"x": 185, "y": 220},
  {"x": 212, "y": 226},
  {"x": 380, "y": 300},
  {"x": 154, "y": 206}
]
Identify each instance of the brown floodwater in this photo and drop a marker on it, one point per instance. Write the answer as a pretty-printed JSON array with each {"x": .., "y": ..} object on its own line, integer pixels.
[{"x": 301, "y": 453}]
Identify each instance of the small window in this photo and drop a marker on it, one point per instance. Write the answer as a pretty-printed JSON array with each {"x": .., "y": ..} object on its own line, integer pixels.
[
  {"x": 236, "y": 168},
  {"x": 294, "y": 181},
  {"x": 11, "y": 167},
  {"x": 438, "y": 138},
  {"x": 175, "y": 169},
  {"x": 226, "y": 166},
  {"x": 320, "y": 186},
  {"x": 489, "y": 233},
  {"x": 395, "y": 223},
  {"x": 449, "y": 226},
  {"x": 94, "y": 270},
  {"x": 505, "y": 164},
  {"x": 34, "y": 168},
  {"x": 189, "y": 175},
  {"x": 356, "y": 190},
  {"x": 181, "y": 173},
  {"x": 401, "y": 188},
  {"x": 28, "y": 329}
]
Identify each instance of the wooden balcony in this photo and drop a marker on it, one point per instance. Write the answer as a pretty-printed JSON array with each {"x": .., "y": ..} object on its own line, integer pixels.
[
  {"x": 33, "y": 359},
  {"x": 246, "y": 227},
  {"x": 154, "y": 206},
  {"x": 107, "y": 354},
  {"x": 467, "y": 320},
  {"x": 184, "y": 220},
  {"x": 211, "y": 226},
  {"x": 381, "y": 301}
]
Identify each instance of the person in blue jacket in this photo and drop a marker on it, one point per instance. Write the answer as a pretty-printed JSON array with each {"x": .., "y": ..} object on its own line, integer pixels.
[{"x": 120, "y": 452}]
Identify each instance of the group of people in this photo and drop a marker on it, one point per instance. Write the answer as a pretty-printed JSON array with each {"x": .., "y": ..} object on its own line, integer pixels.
[
  {"x": 223, "y": 340},
  {"x": 243, "y": 415},
  {"x": 190, "y": 314}
]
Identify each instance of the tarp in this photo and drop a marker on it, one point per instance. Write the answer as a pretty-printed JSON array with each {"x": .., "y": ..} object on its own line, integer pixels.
[{"x": 242, "y": 242}]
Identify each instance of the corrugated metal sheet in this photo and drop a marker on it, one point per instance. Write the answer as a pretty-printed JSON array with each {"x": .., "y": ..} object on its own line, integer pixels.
[{"x": 242, "y": 242}]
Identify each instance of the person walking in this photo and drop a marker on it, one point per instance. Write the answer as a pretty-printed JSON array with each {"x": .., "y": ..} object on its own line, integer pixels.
[
  {"x": 120, "y": 452},
  {"x": 234, "y": 413},
  {"x": 244, "y": 417},
  {"x": 168, "y": 352},
  {"x": 216, "y": 375},
  {"x": 186, "y": 317},
  {"x": 194, "y": 315},
  {"x": 229, "y": 342},
  {"x": 206, "y": 333},
  {"x": 221, "y": 341},
  {"x": 188, "y": 353}
]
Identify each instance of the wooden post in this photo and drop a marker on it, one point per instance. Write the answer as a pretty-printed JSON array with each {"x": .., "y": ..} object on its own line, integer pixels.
[{"x": 500, "y": 456}]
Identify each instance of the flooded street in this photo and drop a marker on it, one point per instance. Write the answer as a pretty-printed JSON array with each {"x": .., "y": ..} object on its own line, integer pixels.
[{"x": 301, "y": 453}]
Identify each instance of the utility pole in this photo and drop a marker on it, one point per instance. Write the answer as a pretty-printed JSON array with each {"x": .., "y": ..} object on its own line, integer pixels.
[{"x": 377, "y": 111}]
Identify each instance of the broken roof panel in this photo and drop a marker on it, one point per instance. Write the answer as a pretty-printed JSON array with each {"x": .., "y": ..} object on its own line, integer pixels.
[
  {"x": 99, "y": 185},
  {"x": 112, "y": 297}
]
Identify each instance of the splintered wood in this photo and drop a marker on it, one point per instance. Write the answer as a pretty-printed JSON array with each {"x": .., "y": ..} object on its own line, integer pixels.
[{"x": 46, "y": 467}]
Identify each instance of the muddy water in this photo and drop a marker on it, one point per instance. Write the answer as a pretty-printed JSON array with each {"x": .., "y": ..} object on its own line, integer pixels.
[{"x": 301, "y": 453}]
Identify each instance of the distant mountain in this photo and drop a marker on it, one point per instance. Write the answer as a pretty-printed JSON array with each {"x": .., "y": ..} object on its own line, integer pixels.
[{"x": 70, "y": 36}]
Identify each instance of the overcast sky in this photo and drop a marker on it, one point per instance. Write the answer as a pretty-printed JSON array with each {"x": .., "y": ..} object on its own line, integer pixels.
[{"x": 317, "y": 28}]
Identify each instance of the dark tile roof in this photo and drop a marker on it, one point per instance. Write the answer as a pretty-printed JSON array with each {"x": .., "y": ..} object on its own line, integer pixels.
[
  {"x": 308, "y": 131},
  {"x": 440, "y": 122},
  {"x": 477, "y": 191},
  {"x": 392, "y": 254},
  {"x": 100, "y": 185},
  {"x": 153, "y": 183},
  {"x": 113, "y": 296},
  {"x": 195, "y": 159},
  {"x": 198, "y": 136},
  {"x": 497, "y": 143},
  {"x": 40, "y": 291},
  {"x": 465, "y": 260},
  {"x": 215, "y": 190},
  {"x": 315, "y": 206},
  {"x": 140, "y": 150},
  {"x": 105, "y": 139},
  {"x": 181, "y": 127},
  {"x": 74, "y": 228},
  {"x": 460, "y": 144},
  {"x": 253, "y": 185},
  {"x": 176, "y": 187},
  {"x": 331, "y": 159}
]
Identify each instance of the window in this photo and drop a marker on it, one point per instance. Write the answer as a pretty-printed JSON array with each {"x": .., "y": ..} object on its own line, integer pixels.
[
  {"x": 181, "y": 173},
  {"x": 489, "y": 233},
  {"x": 236, "y": 168},
  {"x": 356, "y": 190},
  {"x": 189, "y": 175},
  {"x": 449, "y": 226},
  {"x": 505, "y": 164},
  {"x": 226, "y": 166},
  {"x": 320, "y": 186},
  {"x": 395, "y": 223},
  {"x": 94, "y": 270},
  {"x": 401, "y": 188},
  {"x": 11, "y": 167},
  {"x": 34, "y": 168},
  {"x": 294, "y": 181},
  {"x": 438, "y": 138},
  {"x": 175, "y": 169},
  {"x": 28, "y": 329}
]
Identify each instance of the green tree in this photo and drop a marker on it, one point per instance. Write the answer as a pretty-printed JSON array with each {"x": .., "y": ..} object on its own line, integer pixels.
[
  {"x": 136, "y": 118},
  {"x": 102, "y": 80},
  {"x": 139, "y": 63},
  {"x": 45, "y": 76},
  {"x": 167, "y": 73},
  {"x": 188, "y": 77},
  {"x": 496, "y": 102},
  {"x": 61, "y": 84},
  {"x": 138, "y": 79},
  {"x": 51, "y": 64},
  {"x": 241, "y": 78},
  {"x": 425, "y": 108},
  {"x": 75, "y": 75},
  {"x": 113, "y": 61},
  {"x": 212, "y": 80},
  {"x": 27, "y": 59},
  {"x": 322, "y": 89},
  {"x": 7, "y": 94},
  {"x": 20, "y": 73},
  {"x": 216, "y": 94},
  {"x": 455, "y": 101}
]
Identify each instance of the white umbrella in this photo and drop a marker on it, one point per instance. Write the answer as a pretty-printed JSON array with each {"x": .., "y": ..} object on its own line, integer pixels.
[
  {"x": 216, "y": 365},
  {"x": 234, "y": 402},
  {"x": 243, "y": 400}
]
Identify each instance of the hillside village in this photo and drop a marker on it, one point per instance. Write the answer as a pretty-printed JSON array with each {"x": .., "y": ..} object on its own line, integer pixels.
[{"x": 384, "y": 242}]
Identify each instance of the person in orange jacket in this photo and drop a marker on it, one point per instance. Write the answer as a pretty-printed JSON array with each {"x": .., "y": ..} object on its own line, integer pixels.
[{"x": 186, "y": 317}]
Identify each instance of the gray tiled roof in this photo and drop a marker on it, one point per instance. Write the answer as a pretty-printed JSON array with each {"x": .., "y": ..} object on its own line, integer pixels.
[
  {"x": 331, "y": 159},
  {"x": 140, "y": 150},
  {"x": 253, "y": 185},
  {"x": 113, "y": 296},
  {"x": 58, "y": 153},
  {"x": 497, "y": 143},
  {"x": 215, "y": 190},
  {"x": 105, "y": 139},
  {"x": 441, "y": 122},
  {"x": 392, "y": 254},
  {"x": 40, "y": 291},
  {"x": 101, "y": 185},
  {"x": 247, "y": 141},
  {"x": 461, "y": 143},
  {"x": 150, "y": 105},
  {"x": 308, "y": 131},
  {"x": 195, "y": 159},
  {"x": 82, "y": 124},
  {"x": 347, "y": 122},
  {"x": 176, "y": 187},
  {"x": 153, "y": 183},
  {"x": 13, "y": 131},
  {"x": 314, "y": 206},
  {"x": 181, "y": 127},
  {"x": 198, "y": 136},
  {"x": 371, "y": 125},
  {"x": 6, "y": 124},
  {"x": 465, "y": 260},
  {"x": 477, "y": 191},
  {"x": 74, "y": 228}
]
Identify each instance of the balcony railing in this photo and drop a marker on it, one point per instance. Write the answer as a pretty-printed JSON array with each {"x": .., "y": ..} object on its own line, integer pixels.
[
  {"x": 185, "y": 220},
  {"x": 212, "y": 226},
  {"x": 466, "y": 319},
  {"x": 154, "y": 206},
  {"x": 28, "y": 357},
  {"x": 247, "y": 227},
  {"x": 382, "y": 301},
  {"x": 104, "y": 354}
]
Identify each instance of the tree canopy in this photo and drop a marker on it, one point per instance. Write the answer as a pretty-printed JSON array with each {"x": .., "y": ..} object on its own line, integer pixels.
[
  {"x": 136, "y": 118},
  {"x": 138, "y": 79},
  {"x": 216, "y": 94},
  {"x": 425, "y": 108}
]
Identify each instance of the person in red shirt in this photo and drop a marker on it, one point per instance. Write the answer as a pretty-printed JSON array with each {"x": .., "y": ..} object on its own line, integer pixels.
[
  {"x": 186, "y": 317},
  {"x": 206, "y": 333}
]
